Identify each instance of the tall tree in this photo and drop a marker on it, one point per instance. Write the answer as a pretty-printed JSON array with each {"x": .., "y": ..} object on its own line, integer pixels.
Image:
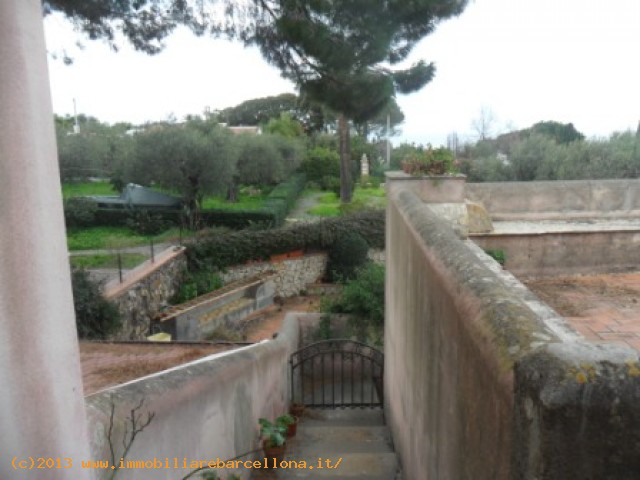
[
  {"x": 144, "y": 23},
  {"x": 196, "y": 158},
  {"x": 258, "y": 111},
  {"x": 341, "y": 53}
]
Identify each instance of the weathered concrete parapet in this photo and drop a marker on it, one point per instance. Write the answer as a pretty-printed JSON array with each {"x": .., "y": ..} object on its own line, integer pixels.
[
  {"x": 577, "y": 413},
  {"x": 204, "y": 410},
  {"x": 483, "y": 381},
  {"x": 446, "y": 196},
  {"x": 453, "y": 333}
]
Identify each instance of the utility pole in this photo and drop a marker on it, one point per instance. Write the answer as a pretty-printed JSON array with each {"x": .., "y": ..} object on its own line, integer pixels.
[
  {"x": 76, "y": 125},
  {"x": 388, "y": 141}
]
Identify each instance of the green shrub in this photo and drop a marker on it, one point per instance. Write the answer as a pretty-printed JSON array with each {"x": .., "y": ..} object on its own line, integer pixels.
[
  {"x": 144, "y": 222},
  {"x": 221, "y": 251},
  {"x": 96, "y": 318},
  {"x": 321, "y": 162},
  {"x": 79, "y": 212},
  {"x": 330, "y": 183},
  {"x": 363, "y": 298},
  {"x": 195, "y": 284},
  {"x": 348, "y": 253}
]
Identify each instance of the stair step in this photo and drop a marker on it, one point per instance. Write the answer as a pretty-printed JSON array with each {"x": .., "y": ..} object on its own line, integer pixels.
[
  {"x": 319, "y": 440},
  {"x": 350, "y": 466},
  {"x": 344, "y": 417}
]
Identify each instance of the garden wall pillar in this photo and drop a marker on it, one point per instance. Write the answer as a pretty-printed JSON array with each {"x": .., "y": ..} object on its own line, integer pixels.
[{"x": 41, "y": 405}]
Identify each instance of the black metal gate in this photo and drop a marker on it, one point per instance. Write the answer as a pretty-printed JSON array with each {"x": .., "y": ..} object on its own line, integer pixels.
[{"x": 337, "y": 373}]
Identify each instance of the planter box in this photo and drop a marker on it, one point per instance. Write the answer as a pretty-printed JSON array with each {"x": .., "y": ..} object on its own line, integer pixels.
[{"x": 433, "y": 189}]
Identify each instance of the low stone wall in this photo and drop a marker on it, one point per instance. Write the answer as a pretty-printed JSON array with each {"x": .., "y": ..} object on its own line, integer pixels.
[
  {"x": 203, "y": 410},
  {"x": 558, "y": 199},
  {"x": 291, "y": 276},
  {"x": 481, "y": 382},
  {"x": 145, "y": 291}
]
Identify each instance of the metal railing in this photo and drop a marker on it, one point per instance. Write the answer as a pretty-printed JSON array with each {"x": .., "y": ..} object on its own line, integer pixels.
[{"x": 336, "y": 374}]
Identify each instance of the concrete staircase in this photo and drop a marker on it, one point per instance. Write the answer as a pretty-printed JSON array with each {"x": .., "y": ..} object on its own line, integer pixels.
[{"x": 355, "y": 442}]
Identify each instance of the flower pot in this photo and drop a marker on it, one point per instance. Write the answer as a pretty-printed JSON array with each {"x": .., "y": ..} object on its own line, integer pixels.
[
  {"x": 292, "y": 428},
  {"x": 296, "y": 409},
  {"x": 273, "y": 454}
]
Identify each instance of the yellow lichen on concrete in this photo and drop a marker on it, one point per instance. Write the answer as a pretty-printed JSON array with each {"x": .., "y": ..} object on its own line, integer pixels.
[{"x": 634, "y": 369}]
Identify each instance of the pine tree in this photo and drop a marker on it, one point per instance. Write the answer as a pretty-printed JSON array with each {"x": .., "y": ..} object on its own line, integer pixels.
[{"x": 341, "y": 53}]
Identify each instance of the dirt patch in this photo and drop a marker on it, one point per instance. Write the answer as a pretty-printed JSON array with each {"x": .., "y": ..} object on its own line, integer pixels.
[
  {"x": 601, "y": 307},
  {"x": 108, "y": 364}
]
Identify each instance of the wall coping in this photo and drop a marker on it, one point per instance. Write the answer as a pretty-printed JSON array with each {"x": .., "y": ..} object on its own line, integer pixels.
[{"x": 114, "y": 288}]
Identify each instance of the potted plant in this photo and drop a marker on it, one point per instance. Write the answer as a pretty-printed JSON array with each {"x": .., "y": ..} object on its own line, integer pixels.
[
  {"x": 429, "y": 161},
  {"x": 290, "y": 422},
  {"x": 274, "y": 439},
  {"x": 296, "y": 409}
]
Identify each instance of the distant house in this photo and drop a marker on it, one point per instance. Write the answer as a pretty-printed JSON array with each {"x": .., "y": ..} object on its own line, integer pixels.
[
  {"x": 135, "y": 196},
  {"x": 244, "y": 129}
]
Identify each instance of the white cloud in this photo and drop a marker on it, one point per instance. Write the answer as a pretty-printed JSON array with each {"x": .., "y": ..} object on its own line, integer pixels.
[{"x": 527, "y": 60}]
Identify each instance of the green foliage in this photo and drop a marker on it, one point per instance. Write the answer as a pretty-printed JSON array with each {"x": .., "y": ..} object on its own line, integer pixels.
[
  {"x": 560, "y": 132},
  {"x": 79, "y": 212},
  {"x": 273, "y": 433},
  {"x": 498, "y": 255},
  {"x": 285, "y": 126},
  {"x": 259, "y": 111},
  {"x": 321, "y": 163},
  {"x": 223, "y": 250},
  {"x": 347, "y": 254},
  {"x": 363, "y": 298},
  {"x": 429, "y": 161},
  {"x": 196, "y": 159},
  {"x": 145, "y": 222},
  {"x": 266, "y": 159},
  {"x": 195, "y": 284},
  {"x": 96, "y": 318},
  {"x": 129, "y": 260}
]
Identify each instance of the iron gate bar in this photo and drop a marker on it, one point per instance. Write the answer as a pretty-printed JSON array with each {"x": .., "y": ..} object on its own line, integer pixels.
[{"x": 348, "y": 351}]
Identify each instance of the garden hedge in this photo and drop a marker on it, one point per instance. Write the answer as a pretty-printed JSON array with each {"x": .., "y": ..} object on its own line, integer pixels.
[
  {"x": 273, "y": 213},
  {"x": 234, "y": 248}
]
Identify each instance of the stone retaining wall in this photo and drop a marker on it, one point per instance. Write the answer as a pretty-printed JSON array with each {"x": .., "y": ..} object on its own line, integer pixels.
[
  {"x": 143, "y": 298},
  {"x": 291, "y": 276}
]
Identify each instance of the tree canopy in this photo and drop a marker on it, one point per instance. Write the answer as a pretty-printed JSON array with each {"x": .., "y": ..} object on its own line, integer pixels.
[
  {"x": 144, "y": 23},
  {"x": 342, "y": 53}
]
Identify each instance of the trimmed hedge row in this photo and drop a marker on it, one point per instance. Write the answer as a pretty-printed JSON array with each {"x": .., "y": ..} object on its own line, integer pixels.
[
  {"x": 234, "y": 248},
  {"x": 273, "y": 213}
]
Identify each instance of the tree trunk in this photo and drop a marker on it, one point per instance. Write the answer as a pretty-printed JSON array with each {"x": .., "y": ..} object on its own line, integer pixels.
[{"x": 345, "y": 160}]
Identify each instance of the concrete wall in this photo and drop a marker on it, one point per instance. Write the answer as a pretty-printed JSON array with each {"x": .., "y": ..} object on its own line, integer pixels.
[
  {"x": 481, "y": 382},
  {"x": 203, "y": 410},
  {"x": 566, "y": 253},
  {"x": 558, "y": 199},
  {"x": 200, "y": 317}
]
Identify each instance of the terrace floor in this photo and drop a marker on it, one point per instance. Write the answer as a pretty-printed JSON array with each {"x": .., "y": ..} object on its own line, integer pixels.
[{"x": 603, "y": 307}]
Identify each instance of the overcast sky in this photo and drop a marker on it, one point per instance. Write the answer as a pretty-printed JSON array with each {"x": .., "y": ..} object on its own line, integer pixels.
[{"x": 525, "y": 60}]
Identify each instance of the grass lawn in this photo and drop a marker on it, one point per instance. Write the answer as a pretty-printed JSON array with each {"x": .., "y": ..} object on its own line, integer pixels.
[
  {"x": 129, "y": 260},
  {"x": 105, "y": 238},
  {"x": 83, "y": 189},
  {"x": 329, "y": 203},
  {"x": 245, "y": 202}
]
